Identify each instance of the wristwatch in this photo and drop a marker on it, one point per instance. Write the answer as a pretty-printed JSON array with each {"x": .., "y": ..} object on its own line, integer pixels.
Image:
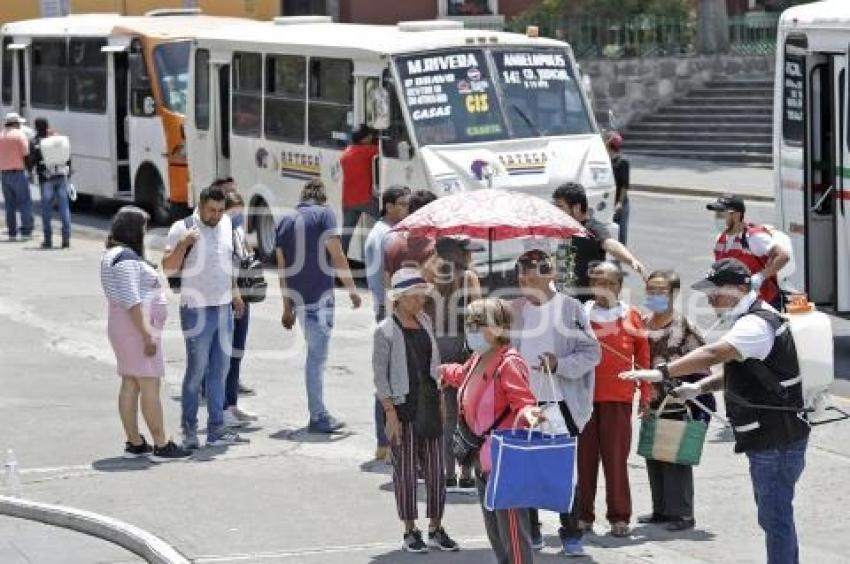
[{"x": 665, "y": 371}]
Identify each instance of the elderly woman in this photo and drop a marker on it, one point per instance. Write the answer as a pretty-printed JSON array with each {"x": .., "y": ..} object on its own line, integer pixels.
[
  {"x": 671, "y": 336},
  {"x": 137, "y": 313},
  {"x": 405, "y": 362},
  {"x": 494, "y": 393}
]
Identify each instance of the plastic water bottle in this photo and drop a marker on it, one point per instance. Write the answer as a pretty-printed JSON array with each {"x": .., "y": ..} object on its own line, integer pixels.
[{"x": 11, "y": 476}]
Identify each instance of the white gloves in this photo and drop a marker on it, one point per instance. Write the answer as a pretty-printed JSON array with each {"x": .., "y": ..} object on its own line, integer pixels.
[
  {"x": 687, "y": 391},
  {"x": 648, "y": 375}
]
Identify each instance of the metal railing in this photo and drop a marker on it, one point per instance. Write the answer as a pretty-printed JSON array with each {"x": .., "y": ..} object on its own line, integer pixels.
[{"x": 647, "y": 36}]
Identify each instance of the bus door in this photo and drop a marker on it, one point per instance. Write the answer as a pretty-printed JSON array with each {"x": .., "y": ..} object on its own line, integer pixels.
[
  {"x": 14, "y": 91},
  {"x": 819, "y": 193},
  {"x": 842, "y": 183},
  {"x": 208, "y": 121},
  {"x": 394, "y": 166},
  {"x": 119, "y": 80}
]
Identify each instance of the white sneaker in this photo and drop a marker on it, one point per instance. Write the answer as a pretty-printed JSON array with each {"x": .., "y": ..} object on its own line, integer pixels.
[
  {"x": 243, "y": 414},
  {"x": 231, "y": 421}
]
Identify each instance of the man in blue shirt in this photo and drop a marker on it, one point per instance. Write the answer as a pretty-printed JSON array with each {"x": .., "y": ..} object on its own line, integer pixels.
[
  {"x": 309, "y": 254},
  {"x": 395, "y": 202}
]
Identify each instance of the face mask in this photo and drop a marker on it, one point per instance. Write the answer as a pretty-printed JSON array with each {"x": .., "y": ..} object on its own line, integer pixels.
[
  {"x": 237, "y": 219},
  {"x": 657, "y": 304},
  {"x": 476, "y": 342},
  {"x": 720, "y": 224}
]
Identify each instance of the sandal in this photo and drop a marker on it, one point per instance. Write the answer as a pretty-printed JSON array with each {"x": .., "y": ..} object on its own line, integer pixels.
[{"x": 620, "y": 529}]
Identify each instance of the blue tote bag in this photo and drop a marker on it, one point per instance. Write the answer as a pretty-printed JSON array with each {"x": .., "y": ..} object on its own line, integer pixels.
[{"x": 531, "y": 469}]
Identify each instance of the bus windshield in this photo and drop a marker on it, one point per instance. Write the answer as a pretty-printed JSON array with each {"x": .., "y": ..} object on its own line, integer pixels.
[
  {"x": 453, "y": 98},
  {"x": 541, "y": 95},
  {"x": 172, "y": 70}
]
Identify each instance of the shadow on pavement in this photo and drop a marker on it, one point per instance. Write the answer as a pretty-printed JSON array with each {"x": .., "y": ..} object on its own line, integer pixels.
[
  {"x": 648, "y": 533},
  {"x": 120, "y": 464},
  {"x": 302, "y": 435},
  {"x": 471, "y": 556}
]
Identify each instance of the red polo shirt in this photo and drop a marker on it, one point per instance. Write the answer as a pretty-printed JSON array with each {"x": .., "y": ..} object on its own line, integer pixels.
[{"x": 356, "y": 163}]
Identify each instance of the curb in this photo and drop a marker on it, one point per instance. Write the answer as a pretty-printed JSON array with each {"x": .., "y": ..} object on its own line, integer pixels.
[
  {"x": 699, "y": 192},
  {"x": 139, "y": 542}
]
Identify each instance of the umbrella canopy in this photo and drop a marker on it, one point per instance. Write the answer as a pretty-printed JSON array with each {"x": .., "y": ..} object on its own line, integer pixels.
[{"x": 491, "y": 214}]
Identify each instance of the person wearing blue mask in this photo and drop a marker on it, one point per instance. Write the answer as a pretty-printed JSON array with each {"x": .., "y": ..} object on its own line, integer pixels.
[{"x": 671, "y": 336}]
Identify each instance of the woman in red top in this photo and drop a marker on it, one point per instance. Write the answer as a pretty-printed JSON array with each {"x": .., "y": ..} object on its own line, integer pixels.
[
  {"x": 494, "y": 393},
  {"x": 607, "y": 437}
]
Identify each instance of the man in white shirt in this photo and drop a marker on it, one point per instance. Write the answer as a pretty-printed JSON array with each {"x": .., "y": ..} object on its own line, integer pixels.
[
  {"x": 200, "y": 251},
  {"x": 552, "y": 333},
  {"x": 763, "y": 393}
]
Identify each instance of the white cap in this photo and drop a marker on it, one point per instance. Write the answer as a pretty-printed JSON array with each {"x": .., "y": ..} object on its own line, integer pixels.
[
  {"x": 407, "y": 280},
  {"x": 13, "y": 117}
]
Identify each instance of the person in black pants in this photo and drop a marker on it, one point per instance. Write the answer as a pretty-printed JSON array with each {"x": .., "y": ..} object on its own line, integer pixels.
[{"x": 620, "y": 167}]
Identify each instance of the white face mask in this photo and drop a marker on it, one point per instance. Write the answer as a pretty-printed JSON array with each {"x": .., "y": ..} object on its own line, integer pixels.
[
  {"x": 477, "y": 342},
  {"x": 720, "y": 224}
]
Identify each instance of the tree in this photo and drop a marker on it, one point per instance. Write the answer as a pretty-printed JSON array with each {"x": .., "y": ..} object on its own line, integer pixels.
[{"x": 712, "y": 27}]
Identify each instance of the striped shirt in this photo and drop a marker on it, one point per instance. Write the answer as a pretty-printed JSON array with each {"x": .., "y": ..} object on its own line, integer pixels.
[{"x": 128, "y": 280}]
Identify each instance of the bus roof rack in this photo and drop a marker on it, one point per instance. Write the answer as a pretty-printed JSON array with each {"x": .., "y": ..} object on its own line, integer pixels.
[
  {"x": 431, "y": 25},
  {"x": 174, "y": 12},
  {"x": 301, "y": 20}
]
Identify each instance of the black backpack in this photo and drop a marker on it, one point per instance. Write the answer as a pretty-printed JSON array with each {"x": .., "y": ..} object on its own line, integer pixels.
[{"x": 176, "y": 282}]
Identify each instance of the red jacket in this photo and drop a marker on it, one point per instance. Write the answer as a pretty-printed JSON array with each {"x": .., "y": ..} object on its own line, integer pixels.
[
  {"x": 356, "y": 163},
  {"x": 502, "y": 386},
  {"x": 739, "y": 249},
  {"x": 621, "y": 341}
]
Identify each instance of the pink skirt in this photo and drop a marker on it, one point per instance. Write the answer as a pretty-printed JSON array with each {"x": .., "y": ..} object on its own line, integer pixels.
[{"x": 129, "y": 346}]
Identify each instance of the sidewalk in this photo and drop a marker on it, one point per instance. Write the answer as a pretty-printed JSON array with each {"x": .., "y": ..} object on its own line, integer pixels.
[{"x": 699, "y": 178}]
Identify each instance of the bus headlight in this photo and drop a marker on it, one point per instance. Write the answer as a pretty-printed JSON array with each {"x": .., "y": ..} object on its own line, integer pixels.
[
  {"x": 449, "y": 185},
  {"x": 601, "y": 175}
]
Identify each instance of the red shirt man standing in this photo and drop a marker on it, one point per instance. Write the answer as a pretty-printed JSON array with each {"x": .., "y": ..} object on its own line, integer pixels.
[{"x": 357, "y": 181}]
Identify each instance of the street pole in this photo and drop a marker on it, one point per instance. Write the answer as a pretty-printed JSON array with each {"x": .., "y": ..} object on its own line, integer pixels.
[{"x": 712, "y": 27}]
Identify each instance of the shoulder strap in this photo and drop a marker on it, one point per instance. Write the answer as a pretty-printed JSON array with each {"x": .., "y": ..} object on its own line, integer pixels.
[{"x": 126, "y": 254}]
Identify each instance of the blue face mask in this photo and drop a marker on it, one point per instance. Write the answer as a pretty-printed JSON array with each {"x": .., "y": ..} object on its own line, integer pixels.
[
  {"x": 476, "y": 342},
  {"x": 657, "y": 304},
  {"x": 237, "y": 220}
]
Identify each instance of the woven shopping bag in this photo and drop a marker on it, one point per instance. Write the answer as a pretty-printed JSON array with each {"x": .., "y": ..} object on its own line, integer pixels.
[
  {"x": 671, "y": 440},
  {"x": 531, "y": 470}
]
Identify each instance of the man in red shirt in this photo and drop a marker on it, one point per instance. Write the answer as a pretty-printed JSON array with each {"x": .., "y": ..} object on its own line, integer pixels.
[
  {"x": 14, "y": 152},
  {"x": 357, "y": 182}
]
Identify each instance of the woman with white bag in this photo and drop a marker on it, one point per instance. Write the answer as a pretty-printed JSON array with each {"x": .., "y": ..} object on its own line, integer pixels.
[{"x": 551, "y": 332}]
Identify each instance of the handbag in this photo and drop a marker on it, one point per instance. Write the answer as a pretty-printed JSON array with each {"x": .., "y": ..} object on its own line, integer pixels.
[
  {"x": 678, "y": 441},
  {"x": 531, "y": 469},
  {"x": 465, "y": 443},
  {"x": 250, "y": 277}
]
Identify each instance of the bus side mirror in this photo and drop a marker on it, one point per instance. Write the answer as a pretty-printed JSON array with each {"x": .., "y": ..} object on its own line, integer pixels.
[
  {"x": 378, "y": 108},
  {"x": 405, "y": 151}
]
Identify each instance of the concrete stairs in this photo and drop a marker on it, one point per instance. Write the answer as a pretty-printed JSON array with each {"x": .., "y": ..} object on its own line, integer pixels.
[{"x": 726, "y": 121}]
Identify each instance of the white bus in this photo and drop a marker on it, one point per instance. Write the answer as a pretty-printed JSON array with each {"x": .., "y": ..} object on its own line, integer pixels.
[
  {"x": 116, "y": 86},
  {"x": 274, "y": 105},
  {"x": 811, "y": 145}
]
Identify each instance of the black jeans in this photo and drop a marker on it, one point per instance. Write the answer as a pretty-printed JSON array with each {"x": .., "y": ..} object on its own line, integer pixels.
[
  {"x": 240, "y": 336},
  {"x": 569, "y": 521},
  {"x": 672, "y": 487}
]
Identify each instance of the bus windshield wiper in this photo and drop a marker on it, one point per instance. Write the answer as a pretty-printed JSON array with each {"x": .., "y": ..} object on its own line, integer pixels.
[{"x": 528, "y": 121}]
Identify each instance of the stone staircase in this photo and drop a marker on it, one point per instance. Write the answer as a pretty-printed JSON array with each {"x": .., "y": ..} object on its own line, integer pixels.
[{"x": 726, "y": 121}]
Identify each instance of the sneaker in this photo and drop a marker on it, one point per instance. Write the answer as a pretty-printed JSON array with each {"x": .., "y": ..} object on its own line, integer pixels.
[
  {"x": 326, "y": 424},
  {"x": 137, "y": 451},
  {"x": 27, "y": 237},
  {"x": 226, "y": 438},
  {"x": 169, "y": 453},
  {"x": 466, "y": 484},
  {"x": 66, "y": 244},
  {"x": 441, "y": 540},
  {"x": 413, "y": 542},
  {"x": 537, "y": 542},
  {"x": 46, "y": 245},
  {"x": 231, "y": 421},
  {"x": 573, "y": 547},
  {"x": 652, "y": 519},
  {"x": 246, "y": 391},
  {"x": 243, "y": 414},
  {"x": 190, "y": 440},
  {"x": 451, "y": 484},
  {"x": 681, "y": 524}
]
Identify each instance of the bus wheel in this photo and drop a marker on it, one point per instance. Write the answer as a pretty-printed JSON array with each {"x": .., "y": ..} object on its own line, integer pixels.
[
  {"x": 150, "y": 195},
  {"x": 263, "y": 225}
]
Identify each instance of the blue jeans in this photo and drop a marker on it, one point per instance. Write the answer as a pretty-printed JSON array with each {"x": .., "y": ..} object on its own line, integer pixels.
[
  {"x": 16, "y": 195},
  {"x": 55, "y": 187},
  {"x": 621, "y": 218},
  {"x": 208, "y": 332},
  {"x": 774, "y": 473},
  {"x": 317, "y": 322},
  {"x": 240, "y": 336}
]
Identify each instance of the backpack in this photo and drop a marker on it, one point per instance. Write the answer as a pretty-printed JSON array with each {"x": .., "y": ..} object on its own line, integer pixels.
[
  {"x": 55, "y": 154},
  {"x": 175, "y": 282}
]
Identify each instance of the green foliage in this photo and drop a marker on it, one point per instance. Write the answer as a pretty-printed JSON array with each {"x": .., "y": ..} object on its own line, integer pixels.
[{"x": 613, "y": 8}]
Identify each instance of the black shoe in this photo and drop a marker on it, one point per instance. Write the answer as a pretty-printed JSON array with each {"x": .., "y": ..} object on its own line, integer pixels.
[
  {"x": 246, "y": 391},
  {"x": 137, "y": 451},
  {"x": 652, "y": 519},
  {"x": 681, "y": 524},
  {"x": 451, "y": 484},
  {"x": 537, "y": 542},
  {"x": 46, "y": 245},
  {"x": 466, "y": 483},
  {"x": 66, "y": 244},
  {"x": 413, "y": 542},
  {"x": 441, "y": 540},
  {"x": 169, "y": 453},
  {"x": 327, "y": 424}
]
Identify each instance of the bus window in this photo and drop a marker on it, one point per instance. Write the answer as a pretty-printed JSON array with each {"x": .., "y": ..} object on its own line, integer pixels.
[
  {"x": 247, "y": 93},
  {"x": 285, "y": 92},
  {"x": 87, "y": 75},
  {"x": 330, "y": 107},
  {"x": 7, "y": 72},
  {"x": 49, "y": 77},
  {"x": 172, "y": 71},
  {"x": 142, "y": 102},
  {"x": 202, "y": 89},
  {"x": 397, "y": 131}
]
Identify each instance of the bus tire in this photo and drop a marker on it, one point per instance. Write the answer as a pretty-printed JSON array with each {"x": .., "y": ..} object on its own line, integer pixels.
[
  {"x": 150, "y": 195},
  {"x": 262, "y": 223}
]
